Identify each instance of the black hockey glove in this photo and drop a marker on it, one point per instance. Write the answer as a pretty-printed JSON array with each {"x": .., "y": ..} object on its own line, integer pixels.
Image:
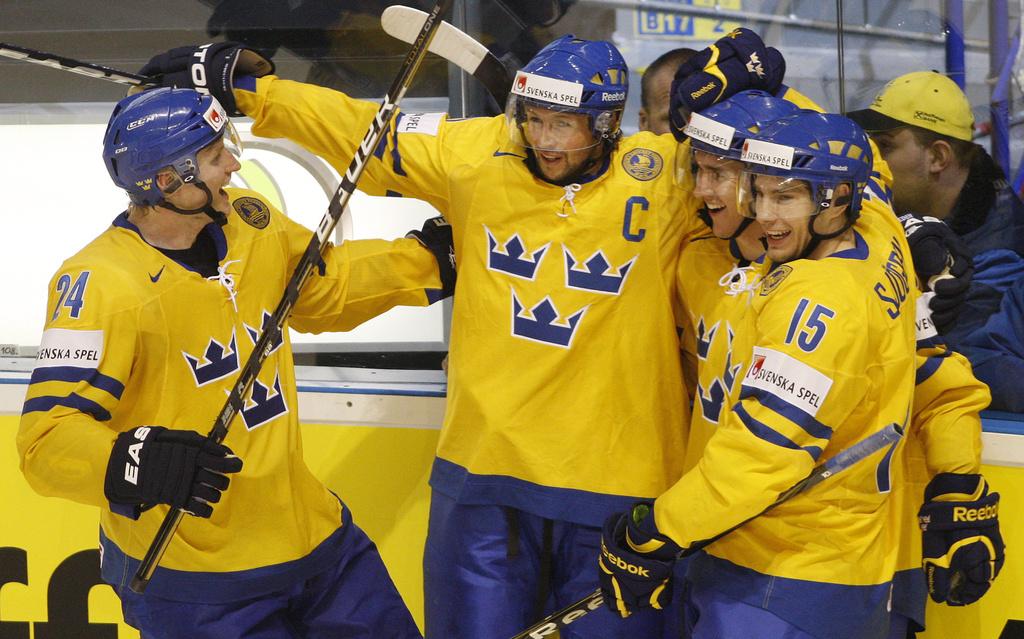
[
  {"x": 734, "y": 63},
  {"x": 963, "y": 550},
  {"x": 208, "y": 68},
  {"x": 943, "y": 262},
  {"x": 436, "y": 236},
  {"x": 635, "y": 565},
  {"x": 152, "y": 465}
]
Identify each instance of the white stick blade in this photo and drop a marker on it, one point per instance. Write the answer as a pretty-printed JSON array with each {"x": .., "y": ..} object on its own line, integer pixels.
[{"x": 450, "y": 43}]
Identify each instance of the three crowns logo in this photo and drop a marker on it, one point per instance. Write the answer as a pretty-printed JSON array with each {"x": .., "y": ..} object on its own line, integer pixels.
[
  {"x": 512, "y": 257},
  {"x": 596, "y": 274},
  {"x": 542, "y": 324}
]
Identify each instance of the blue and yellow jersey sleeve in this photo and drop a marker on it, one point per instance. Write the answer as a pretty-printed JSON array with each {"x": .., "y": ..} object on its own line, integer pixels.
[
  {"x": 86, "y": 356},
  {"x": 411, "y": 160},
  {"x": 948, "y": 400},
  {"x": 357, "y": 280}
]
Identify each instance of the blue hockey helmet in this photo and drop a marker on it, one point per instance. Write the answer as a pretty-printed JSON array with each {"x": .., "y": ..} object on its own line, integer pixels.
[
  {"x": 720, "y": 132},
  {"x": 575, "y": 76},
  {"x": 159, "y": 129},
  {"x": 722, "y": 128},
  {"x": 824, "y": 150}
]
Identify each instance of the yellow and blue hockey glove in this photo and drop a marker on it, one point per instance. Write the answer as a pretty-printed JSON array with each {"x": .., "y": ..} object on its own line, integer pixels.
[
  {"x": 208, "y": 68},
  {"x": 962, "y": 547},
  {"x": 635, "y": 565},
  {"x": 734, "y": 63}
]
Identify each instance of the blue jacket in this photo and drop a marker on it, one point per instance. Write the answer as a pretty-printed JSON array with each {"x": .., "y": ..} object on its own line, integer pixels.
[
  {"x": 990, "y": 328},
  {"x": 996, "y": 351}
]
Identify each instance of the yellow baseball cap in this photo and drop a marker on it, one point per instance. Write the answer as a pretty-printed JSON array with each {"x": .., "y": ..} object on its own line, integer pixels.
[{"x": 925, "y": 99}]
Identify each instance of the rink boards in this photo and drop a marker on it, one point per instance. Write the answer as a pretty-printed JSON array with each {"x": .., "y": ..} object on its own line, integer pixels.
[{"x": 374, "y": 448}]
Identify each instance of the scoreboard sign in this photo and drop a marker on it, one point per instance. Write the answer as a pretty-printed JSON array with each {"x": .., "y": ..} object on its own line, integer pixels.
[{"x": 677, "y": 26}]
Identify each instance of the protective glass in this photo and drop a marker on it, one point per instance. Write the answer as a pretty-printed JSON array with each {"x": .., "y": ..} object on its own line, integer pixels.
[
  {"x": 763, "y": 196},
  {"x": 553, "y": 127}
]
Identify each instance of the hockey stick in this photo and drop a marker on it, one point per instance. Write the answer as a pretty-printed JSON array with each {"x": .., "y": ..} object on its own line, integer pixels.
[
  {"x": 400, "y": 22},
  {"x": 888, "y": 436},
  {"x": 74, "y": 66},
  {"x": 454, "y": 46},
  {"x": 302, "y": 271}
]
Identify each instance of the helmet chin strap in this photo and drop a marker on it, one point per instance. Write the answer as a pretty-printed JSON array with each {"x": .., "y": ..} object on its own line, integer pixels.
[
  {"x": 207, "y": 208},
  {"x": 817, "y": 238},
  {"x": 744, "y": 223}
]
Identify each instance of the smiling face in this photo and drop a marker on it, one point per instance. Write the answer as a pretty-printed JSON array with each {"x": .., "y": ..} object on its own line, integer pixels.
[
  {"x": 783, "y": 206},
  {"x": 715, "y": 182},
  {"x": 790, "y": 217},
  {"x": 217, "y": 163},
  {"x": 561, "y": 142}
]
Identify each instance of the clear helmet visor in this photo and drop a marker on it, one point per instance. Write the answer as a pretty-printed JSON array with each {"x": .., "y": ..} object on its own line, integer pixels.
[
  {"x": 714, "y": 176},
  {"x": 186, "y": 169},
  {"x": 556, "y": 128},
  {"x": 763, "y": 196},
  {"x": 232, "y": 141}
]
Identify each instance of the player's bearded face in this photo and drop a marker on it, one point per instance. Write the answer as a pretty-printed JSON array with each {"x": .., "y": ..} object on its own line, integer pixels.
[
  {"x": 783, "y": 208},
  {"x": 715, "y": 182},
  {"x": 562, "y": 142}
]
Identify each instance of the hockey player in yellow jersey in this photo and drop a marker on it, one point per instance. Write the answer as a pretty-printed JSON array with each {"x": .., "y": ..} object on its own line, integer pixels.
[
  {"x": 565, "y": 394},
  {"x": 826, "y": 361},
  {"x": 717, "y": 267},
  {"x": 944, "y": 435},
  {"x": 147, "y": 328}
]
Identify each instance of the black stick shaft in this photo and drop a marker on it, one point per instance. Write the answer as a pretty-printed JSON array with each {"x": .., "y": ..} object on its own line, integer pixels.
[
  {"x": 888, "y": 436},
  {"x": 74, "y": 66},
  {"x": 302, "y": 271}
]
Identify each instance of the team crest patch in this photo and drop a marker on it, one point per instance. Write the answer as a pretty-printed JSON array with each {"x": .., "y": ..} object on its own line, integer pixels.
[
  {"x": 252, "y": 211},
  {"x": 643, "y": 164},
  {"x": 775, "y": 278}
]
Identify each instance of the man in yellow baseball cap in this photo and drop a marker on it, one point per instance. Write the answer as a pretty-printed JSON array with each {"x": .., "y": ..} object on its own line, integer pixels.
[{"x": 923, "y": 124}]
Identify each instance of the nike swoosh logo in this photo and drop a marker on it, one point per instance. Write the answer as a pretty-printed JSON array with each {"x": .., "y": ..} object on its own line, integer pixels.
[
  {"x": 154, "y": 278},
  {"x": 498, "y": 154}
]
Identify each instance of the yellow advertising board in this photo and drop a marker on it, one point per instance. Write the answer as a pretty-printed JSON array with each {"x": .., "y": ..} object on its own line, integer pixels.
[
  {"x": 49, "y": 562},
  {"x": 49, "y": 565}
]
